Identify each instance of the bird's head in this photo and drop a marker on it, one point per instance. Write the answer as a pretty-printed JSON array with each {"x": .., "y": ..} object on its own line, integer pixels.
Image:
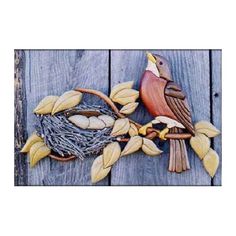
[{"x": 159, "y": 66}]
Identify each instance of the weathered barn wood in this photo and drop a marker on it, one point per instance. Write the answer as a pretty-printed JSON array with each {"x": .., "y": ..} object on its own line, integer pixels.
[
  {"x": 191, "y": 72},
  {"x": 52, "y": 72},
  {"x": 216, "y": 97}
]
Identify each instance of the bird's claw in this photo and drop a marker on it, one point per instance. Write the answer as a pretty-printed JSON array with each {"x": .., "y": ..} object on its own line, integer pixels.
[
  {"x": 143, "y": 129},
  {"x": 163, "y": 133}
]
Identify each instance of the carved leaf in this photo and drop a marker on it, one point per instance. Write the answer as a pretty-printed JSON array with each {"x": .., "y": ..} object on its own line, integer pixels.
[
  {"x": 133, "y": 131},
  {"x": 108, "y": 120},
  {"x": 150, "y": 148},
  {"x": 129, "y": 108},
  {"x": 80, "y": 121},
  {"x": 67, "y": 100},
  {"x": 121, "y": 127},
  {"x": 121, "y": 86},
  {"x": 38, "y": 151},
  {"x": 46, "y": 105},
  {"x": 132, "y": 146},
  {"x": 34, "y": 138},
  {"x": 211, "y": 162},
  {"x": 95, "y": 123},
  {"x": 200, "y": 144},
  {"x": 97, "y": 171},
  {"x": 205, "y": 127},
  {"x": 111, "y": 154},
  {"x": 126, "y": 96}
]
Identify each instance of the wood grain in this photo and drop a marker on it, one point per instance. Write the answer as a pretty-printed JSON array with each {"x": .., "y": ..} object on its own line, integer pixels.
[
  {"x": 52, "y": 73},
  {"x": 191, "y": 72},
  {"x": 216, "y": 108},
  {"x": 20, "y": 121}
]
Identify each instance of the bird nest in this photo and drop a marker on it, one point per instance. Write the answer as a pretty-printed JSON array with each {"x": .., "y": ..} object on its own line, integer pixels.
[{"x": 65, "y": 139}]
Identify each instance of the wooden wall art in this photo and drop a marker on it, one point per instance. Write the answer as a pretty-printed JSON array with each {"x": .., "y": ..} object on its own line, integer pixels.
[{"x": 67, "y": 127}]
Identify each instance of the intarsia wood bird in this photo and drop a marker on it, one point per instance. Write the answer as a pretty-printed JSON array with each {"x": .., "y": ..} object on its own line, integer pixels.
[{"x": 165, "y": 100}]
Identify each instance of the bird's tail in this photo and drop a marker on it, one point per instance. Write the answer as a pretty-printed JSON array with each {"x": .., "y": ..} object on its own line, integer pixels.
[{"x": 178, "y": 161}]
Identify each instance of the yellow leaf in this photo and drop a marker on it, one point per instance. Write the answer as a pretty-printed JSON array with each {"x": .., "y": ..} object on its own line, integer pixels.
[
  {"x": 126, "y": 96},
  {"x": 129, "y": 108},
  {"x": 150, "y": 148},
  {"x": 111, "y": 154},
  {"x": 97, "y": 171},
  {"x": 132, "y": 146},
  {"x": 133, "y": 131},
  {"x": 34, "y": 138},
  {"x": 121, "y": 127},
  {"x": 200, "y": 144},
  {"x": 205, "y": 127},
  {"x": 121, "y": 86},
  {"x": 211, "y": 162},
  {"x": 38, "y": 151},
  {"x": 46, "y": 105},
  {"x": 67, "y": 100}
]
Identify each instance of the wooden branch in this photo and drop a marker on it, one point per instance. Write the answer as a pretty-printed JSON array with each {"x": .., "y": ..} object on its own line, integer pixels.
[
  {"x": 151, "y": 132},
  {"x": 104, "y": 98},
  {"x": 153, "y": 135},
  {"x": 62, "y": 159}
]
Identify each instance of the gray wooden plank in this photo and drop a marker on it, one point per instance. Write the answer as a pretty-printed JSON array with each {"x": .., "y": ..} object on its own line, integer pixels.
[
  {"x": 191, "y": 71},
  {"x": 217, "y": 108},
  {"x": 52, "y": 72},
  {"x": 20, "y": 121}
]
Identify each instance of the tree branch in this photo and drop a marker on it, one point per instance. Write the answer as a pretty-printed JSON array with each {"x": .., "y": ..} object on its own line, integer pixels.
[
  {"x": 63, "y": 159},
  {"x": 151, "y": 132}
]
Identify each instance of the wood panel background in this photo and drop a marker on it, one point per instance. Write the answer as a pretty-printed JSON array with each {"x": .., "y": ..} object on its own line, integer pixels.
[{"x": 39, "y": 73}]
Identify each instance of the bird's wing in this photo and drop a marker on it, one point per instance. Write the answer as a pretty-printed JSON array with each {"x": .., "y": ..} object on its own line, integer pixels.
[{"x": 177, "y": 102}]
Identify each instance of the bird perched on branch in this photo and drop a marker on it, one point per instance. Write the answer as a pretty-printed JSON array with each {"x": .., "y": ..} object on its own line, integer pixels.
[{"x": 165, "y": 100}]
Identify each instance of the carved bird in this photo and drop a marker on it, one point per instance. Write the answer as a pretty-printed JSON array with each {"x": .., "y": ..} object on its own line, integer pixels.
[{"x": 165, "y": 100}]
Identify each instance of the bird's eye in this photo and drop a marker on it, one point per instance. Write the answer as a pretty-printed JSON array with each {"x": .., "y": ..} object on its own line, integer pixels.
[{"x": 160, "y": 63}]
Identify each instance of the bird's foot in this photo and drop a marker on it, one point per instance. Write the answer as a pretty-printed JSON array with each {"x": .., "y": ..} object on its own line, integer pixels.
[
  {"x": 163, "y": 133},
  {"x": 143, "y": 129}
]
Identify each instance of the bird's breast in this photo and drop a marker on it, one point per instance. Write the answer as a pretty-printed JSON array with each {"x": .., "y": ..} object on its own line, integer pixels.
[{"x": 152, "y": 92}]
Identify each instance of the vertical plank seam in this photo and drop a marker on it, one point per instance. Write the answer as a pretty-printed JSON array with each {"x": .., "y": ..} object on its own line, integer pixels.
[
  {"x": 211, "y": 98},
  {"x": 20, "y": 175},
  {"x": 30, "y": 72},
  {"x": 109, "y": 90}
]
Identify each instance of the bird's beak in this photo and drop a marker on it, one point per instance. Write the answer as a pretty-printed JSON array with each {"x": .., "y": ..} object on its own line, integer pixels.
[{"x": 151, "y": 57}]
